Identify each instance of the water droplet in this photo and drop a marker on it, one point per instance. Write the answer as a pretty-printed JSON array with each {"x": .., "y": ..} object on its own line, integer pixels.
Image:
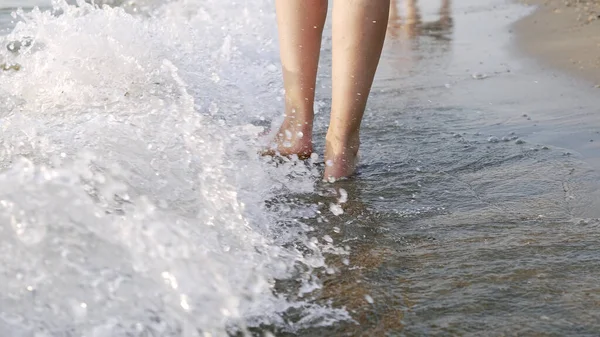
[
  {"x": 272, "y": 68},
  {"x": 343, "y": 196},
  {"x": 183, "y": 301},
  {"x": 79, "y": 310},
  {"x": 170, "y": 279},
  {"x": 336, "y": 209}
]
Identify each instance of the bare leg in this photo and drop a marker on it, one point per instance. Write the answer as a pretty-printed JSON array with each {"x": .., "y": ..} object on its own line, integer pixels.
[
  {"x": 394, "y": 15},
  {"x": 413, "y": 18},
  {"x": 359, "y": 28},
  {"x": 300, "y": 24},
  {"x": 394, "y": 21},
  {"x": 445, "y": 14}
]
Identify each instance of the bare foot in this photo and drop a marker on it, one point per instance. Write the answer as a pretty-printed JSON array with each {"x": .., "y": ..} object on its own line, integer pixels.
[
  {"x": 293, "y": 138},
  {"x": 341, "y": 157}
]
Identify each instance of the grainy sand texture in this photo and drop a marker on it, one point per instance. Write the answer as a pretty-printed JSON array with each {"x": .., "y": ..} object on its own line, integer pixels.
[{"x": 564, "y": 34}]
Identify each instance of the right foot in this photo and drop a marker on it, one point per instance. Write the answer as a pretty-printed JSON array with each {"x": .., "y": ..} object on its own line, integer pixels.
[
  {"x": 293, "y": 138},
  {"x": 341, "y": 157}
]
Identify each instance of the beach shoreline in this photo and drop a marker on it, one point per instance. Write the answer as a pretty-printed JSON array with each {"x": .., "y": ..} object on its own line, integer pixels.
[{"x": 563, "y": 34}]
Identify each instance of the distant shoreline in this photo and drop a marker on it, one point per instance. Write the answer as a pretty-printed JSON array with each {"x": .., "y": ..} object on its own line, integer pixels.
[{"x": 564, "y": 34}]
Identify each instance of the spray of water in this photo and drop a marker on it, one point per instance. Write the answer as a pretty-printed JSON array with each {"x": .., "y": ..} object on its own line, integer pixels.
[{"x": 132, "y": 198}]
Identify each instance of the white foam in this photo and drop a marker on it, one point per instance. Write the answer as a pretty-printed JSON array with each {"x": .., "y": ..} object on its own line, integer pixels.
[{"x": 128, "y": 202}]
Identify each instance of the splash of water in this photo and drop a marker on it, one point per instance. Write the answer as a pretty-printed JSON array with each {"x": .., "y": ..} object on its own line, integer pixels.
[{"x": 132, "y": 201}]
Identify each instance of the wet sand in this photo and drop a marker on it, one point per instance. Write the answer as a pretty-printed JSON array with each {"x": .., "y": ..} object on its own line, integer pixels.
[
  {"x": 478, "y": 161},
  {"x": 475, "y": 211},
  {"x": 564, "y": 34}
]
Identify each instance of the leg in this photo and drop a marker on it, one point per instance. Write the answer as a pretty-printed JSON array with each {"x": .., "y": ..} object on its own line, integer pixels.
[
  {"x": 359, "y": 28},
  {"x": 413, "y": 16},
  {"x": 300, "y": 24},
  {"x": 394, "y": 15},
  {"x": 394, "y": 20},
  {"x": 445, "y": 14}
]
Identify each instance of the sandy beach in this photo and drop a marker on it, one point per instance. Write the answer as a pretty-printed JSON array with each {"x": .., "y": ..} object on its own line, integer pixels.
[{"x": 565, "y": 34}]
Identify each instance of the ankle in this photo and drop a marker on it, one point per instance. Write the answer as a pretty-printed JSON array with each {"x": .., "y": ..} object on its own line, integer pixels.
[
  {"x": 298, "y": 118},
  {"x": 346, "y": 143},
  {"x": 341, "y": 155},
  {"x": 299, "y": 109}
]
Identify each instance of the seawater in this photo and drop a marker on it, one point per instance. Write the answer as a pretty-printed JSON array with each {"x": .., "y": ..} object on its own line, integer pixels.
[
  {"x": 132, "y": 198},
  {"x": 133, "y": 201}
]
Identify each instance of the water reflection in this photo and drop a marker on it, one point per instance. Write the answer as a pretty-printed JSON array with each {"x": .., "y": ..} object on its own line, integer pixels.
[
  {"x": 412, "y": 25},
  {"x": 374, "y": 309},
  {"x": 418, "y": 48},
  {"x": 358, "y": 279}
]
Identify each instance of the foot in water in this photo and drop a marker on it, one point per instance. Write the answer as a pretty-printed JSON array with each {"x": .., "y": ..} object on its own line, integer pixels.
[
  {"x": 341, "y": 157},
  {"x": 341, "y": 151},
  {"x": 293, "y": 138},
  {"x": 358, "y": 34}
]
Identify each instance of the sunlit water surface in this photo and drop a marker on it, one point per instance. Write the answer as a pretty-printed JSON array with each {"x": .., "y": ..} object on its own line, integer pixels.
[{"x": 133, "y": 201}]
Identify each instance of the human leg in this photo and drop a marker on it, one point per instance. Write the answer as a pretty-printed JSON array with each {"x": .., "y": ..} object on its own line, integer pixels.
[
  {"x": 359, "y": 28},
  {"x": 300, "y": 24}
]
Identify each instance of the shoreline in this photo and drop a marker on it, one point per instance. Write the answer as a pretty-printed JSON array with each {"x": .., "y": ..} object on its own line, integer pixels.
[{"x": 563, "y": 34}]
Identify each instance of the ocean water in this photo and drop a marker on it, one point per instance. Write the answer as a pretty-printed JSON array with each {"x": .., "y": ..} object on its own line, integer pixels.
[
  {"x": 132, "y": 195},
  {"x": 133, "y": 201}
]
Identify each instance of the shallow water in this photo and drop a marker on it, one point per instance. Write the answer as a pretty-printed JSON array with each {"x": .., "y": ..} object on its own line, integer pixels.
[{"x": 132, "y": 201}]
